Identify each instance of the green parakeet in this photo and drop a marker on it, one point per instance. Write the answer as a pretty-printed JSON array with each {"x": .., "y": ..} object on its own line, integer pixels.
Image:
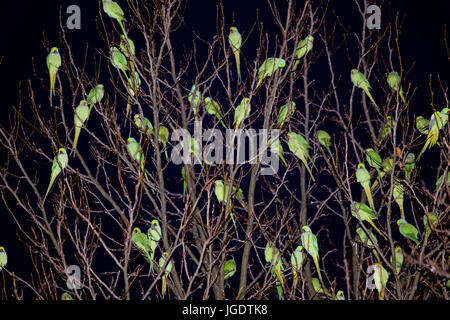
[
  {"x": 297, "y": 260},
  {"x": 229, "y": 269},
  {"x": 53, "y": 64},
  {"x": 324, "y": 139},
  {"x": 386, "y": 166},
  {"x": 340, "y": 295},
  {"x": 195, "y": 149},
  {"x": 380, "y": 277},
  {"x": 363, "y": 177},
  {"x": 316, "y": 284},
  {"x": 440, "y": 181},
  {"x": 3, "y": 258},
  {"x": 133, "y": 85},
  {"x": 398, "y": 195},
  {"x": 286, "y": 112},
  {"x": 213, "y": 108},
  {"x": 141, "y": 242},
  {"x": 408, "y": 230},
  {"x": 438, "y": 121},
  {"x": 393, "y": 80},
  {"x": 373, "y": 159},
  {"x": 66, "y": 296},
  {"x": 95, "y": 96},
  {"x": 113, "y": 10},
  {"x": 366, "y": 239},
  {"x": 398, "y": 259},
  {"x": 299, "y": 147},
  {"x": 273, "y": 256},
  {"x": 363, "y": 212},
  {"x": 241, "y": 113},
  {"x": 360, "y": 81},
  {"x": 303, "y": 47},
  {"x": 154, "y": 232},
  {"x": 388, "y": 125},
  {"x": 195, "y": 99},
  {"x": 409, "y": 165},
  {"x": 163, "y": 136},
  {"x": 422, "y": 125},
  {"x": 235, "y": 40},
  {"x": 135, "y": 152},
  {"x": 429, "y": 220},
  {"x": 309, "y": 242},
  {"x": 277, "y": 148},
  {"x": 221, "y": 192},
  {"x": 145, "y": 126},
  {"x": 268, "y": 68},
  {"x": 118, "y": 60},
  {"x": 59, "y": 163},
  {"x": 167, "y": 271},
  {"x": 79, "y": 118},
  {"x": 127, "y": 46}
]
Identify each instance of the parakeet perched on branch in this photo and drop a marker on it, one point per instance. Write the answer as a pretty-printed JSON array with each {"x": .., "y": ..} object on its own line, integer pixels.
[
  {"x": 79, "y": 118},
  {"x": 360, "y": 81},
  {"x": 409, "y": 165},
  {"x": 163, "y": 136},
  {"x": 408, "y": 230},
  {"x": 235, "y": 40},
  {"x": 53, "y": 64},
  {"x": 273, "y": 256},
  {"x": 437, "y": 122},
  {"x": 393, "y": 80},
  {"x": 113, "y": 10},
  {"x": 309, "y": 242},
  {"x": 268, "y": 68},
  {"x": 380, "y": 276},
  {"x": 398, "y": 259},
  {"x": 3, "y": 258},
  {"x": 299, "y": 147},
  {"x": 297, "y": 260},
  {"x": 303, "y": 47},
  {"x": 140, "y": 240},
  {"x": 145, "y": 126},
  {"x": 422, "y": 125},
  {"x": 366, "y": 239},
  {"x": 221, "y": 191},
  {"x": 95, "y": 96},
  {"x": 59, "y": 163},
  {"x": 213, "y": 108},
  {"x": 229, "y": 268},
  {"x": 286, "y": 112},
  {"x": 195, "y": 99},
  {"x": 363, "y": 177},
  {"x": 364, "y": 213},
  {"x": 135, "y": 152},
  {"x": 241, "y": 112},
  {"x": 324, "y": 139},
  {"x": 166, "y": 272},
  {"x": 398, "y": 195}
]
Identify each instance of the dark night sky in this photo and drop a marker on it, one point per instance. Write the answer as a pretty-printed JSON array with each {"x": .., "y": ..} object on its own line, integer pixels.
[{"x": 24, "y": 24}]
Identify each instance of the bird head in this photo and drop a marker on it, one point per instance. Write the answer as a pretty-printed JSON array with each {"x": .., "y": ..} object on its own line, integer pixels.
[
  {"x": 310, "y": 38},
  {"x": 101, "y": 87},
  {"x": 207, "y": 99},
  {"x": 400, "y": 221},
  {"x": 361, "y": 166},
  {"x": 83, "y": 103},
  {"x": 233, "y": 29},
  {"x": 398, "y": 250},
  {"x": 131, "y": 139},
  {"x": 340, "y": 293},
  {"x": 354, "y": 71},
  {"x": 306, "y": 229},
  {"x": 155, "y": 223},
  {"x": 2, "y": 249},
  {"x": 136, "y": 230},
  {"x": 61, "y": 151},
  {"x": 54, "y": 50}
]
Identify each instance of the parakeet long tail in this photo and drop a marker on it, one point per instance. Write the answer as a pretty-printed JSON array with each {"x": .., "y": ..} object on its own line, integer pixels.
[
  {"x": 431, "y": 141},
  {"x": 375, "y": 227},
  {"x": 164, "y": 285},
  {"x": 75, "y": 140},
  {"x": 369, "y": 196},
  {"x": 316, "y": 262},
  {"x": 238, "y": 65},
  {"x": 309, "y": 170},
  {"x": 402, "y": 96},
  {"x": 52, "y": 180},
  {"x": 371, "y": 99}
]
